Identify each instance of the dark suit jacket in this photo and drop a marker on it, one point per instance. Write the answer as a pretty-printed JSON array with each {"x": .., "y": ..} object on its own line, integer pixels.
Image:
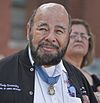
[{"x": 17, "y": 79}]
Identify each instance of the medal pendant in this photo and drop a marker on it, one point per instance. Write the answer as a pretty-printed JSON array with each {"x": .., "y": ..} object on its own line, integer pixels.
[{"x": 51, "y": 90}]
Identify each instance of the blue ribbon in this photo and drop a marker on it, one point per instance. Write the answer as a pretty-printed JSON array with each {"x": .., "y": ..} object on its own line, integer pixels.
[{"x": 44, "y": 76}]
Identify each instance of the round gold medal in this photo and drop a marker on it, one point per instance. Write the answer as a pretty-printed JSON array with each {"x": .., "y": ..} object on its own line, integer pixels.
[{"x": 51, "y": 90}]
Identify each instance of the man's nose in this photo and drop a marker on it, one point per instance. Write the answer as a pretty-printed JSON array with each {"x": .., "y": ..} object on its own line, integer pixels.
[{"x": 50, "y": 36}]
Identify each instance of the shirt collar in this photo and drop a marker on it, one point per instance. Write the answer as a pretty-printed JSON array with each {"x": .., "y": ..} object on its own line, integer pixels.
[{"x": 30, "y": 57}]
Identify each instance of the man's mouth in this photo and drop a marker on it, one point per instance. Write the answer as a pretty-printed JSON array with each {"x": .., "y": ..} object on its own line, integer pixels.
[{"x": 47, "y": 48}]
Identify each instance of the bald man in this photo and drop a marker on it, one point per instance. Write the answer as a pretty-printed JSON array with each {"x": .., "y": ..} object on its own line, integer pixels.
[{"x": 38, "y": 74}]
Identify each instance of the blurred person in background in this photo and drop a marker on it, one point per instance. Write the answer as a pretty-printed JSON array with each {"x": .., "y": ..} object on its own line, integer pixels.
[{"x": 80, "y": 50}]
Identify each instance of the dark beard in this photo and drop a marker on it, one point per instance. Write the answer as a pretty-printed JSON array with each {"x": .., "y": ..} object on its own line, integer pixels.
[{"x": 47, "y": 59}]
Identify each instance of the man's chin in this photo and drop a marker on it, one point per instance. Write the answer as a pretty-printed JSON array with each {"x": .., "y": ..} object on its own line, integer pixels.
[{"x": 47, "y": 60}]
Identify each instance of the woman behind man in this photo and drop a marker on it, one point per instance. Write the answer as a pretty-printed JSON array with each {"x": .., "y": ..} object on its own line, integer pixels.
[{"x": 80, "y": 50}]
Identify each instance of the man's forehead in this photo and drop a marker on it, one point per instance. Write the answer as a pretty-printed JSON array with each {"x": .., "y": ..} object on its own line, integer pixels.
[
  {"x": 52, "y": 15},
  {"x": 43, "y": 23},
  {"x": 51, "y": 10}
]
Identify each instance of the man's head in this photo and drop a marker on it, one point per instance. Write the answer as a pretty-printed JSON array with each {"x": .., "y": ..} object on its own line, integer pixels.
[
  {"x": 81, "y": 41},
  {"x": 48, "y": 33}
]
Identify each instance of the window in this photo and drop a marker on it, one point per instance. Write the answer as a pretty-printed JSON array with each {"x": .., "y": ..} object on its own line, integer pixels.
[{"x": 18, "y": 17}]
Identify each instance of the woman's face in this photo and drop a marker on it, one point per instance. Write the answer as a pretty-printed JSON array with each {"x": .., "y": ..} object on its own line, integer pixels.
[{"x": 79, "y": 41}]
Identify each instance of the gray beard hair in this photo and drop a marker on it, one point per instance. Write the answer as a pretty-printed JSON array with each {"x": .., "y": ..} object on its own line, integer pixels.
[{"x": 46, "y": 59}]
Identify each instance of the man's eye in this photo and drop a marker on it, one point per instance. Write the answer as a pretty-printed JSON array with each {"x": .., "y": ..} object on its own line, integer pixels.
[
  {"x": 42, "y": 29},
  {"x": 59, "y": 32}
]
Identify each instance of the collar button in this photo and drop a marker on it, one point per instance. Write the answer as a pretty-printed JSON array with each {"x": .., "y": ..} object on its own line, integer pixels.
[
  {"x": 30, "y": 92},
  {"x": 31, "y": 69}
]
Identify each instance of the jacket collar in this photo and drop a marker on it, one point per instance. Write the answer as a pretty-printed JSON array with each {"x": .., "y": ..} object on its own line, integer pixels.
[{"x": 24, "y": 58}]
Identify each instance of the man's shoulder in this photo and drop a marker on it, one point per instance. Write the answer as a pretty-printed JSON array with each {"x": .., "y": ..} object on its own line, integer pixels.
[
  {"x": 69, "y": 66},
  {"x": 71, "y": 69}
]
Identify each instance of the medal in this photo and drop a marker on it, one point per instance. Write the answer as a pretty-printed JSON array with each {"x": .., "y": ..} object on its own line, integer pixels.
[
  {"x": 49, "y": 80},
  {"x": 51, "y": 90}
]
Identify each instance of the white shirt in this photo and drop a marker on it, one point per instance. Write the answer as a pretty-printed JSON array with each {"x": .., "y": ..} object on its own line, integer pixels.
[{"x": 61, "y": 92}]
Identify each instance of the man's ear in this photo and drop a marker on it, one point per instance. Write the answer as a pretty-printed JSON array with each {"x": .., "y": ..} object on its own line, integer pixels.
[{"x": 28, "y": 31}]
